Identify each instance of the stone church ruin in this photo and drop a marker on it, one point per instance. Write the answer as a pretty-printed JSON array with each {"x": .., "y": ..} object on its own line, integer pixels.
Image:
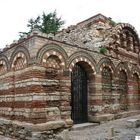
[{"x": 88, "y": 72}]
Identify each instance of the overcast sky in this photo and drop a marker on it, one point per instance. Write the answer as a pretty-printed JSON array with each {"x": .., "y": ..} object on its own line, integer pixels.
[{"x": 14, "y": 14}]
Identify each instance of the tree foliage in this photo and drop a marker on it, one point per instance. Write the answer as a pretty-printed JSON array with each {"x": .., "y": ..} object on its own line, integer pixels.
[
  {"x": 34, "y": 23},
  {"x": 112, "y": 22},
  {"x": 103, "y": 50},
  {"x": 47, "y": 23}
]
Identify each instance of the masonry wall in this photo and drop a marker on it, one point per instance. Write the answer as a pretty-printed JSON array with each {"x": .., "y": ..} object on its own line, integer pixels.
[{"x": 35, "y": 82}]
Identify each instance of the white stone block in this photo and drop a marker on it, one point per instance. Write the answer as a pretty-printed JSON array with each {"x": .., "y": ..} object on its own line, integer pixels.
[{"x": 133, "y": 123}]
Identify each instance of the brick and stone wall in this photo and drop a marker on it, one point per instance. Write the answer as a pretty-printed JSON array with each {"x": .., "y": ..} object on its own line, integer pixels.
[{"x": 35, "y": 77}]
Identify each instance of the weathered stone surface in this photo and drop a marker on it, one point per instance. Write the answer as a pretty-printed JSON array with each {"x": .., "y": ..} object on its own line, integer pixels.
[
  {"x": 48, "y": 126},
  {"x": 102, "y": 118},
  {"x": 133, "y": 123}
]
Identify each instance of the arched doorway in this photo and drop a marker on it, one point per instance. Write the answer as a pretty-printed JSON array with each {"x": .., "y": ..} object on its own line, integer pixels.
[{"x": 79, "y": 94}]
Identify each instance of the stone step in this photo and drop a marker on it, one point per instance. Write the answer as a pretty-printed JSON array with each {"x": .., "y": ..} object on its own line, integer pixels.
[
  {"x": 83, "y": 126},
  {"x": 133, "y": 123}
]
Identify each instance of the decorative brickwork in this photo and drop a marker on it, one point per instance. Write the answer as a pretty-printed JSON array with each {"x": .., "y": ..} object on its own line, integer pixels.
[
  {"x": 38, "y": 80},
  {"x": 19, "y": 61},
  {"x": 106, "y": 62},
  {"x": 3, "y": 67}
]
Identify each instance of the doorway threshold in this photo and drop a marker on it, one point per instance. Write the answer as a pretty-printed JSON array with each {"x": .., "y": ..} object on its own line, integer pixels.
[{"x": 83, "y": 126}]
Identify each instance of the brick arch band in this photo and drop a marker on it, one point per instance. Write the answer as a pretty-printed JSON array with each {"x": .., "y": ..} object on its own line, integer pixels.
[
  {"x": 122, "y": 66},
  {"x": 53, "y": 52},
  {"x": 81, "y": 57},
  {"x": 135, "y": 70},
  {"x": 119, "y": 27},
  {"x": 19, "y": 55},
  {"x": 105, "y": 62},
  {"x": 49, "y": 50},
  {"x": 3, "y": 66},
  {"x": 22, "y": 52},
  {"x": 4, "y": 61},
  {"x": 122, "y": 26}
]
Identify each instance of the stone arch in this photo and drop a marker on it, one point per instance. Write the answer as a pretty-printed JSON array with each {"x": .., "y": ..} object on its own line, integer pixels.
[
  {"x": 3, "y": 66},
  {"x": 119, "y": 27},
  {"x": 5, "y": 60},
  {"x": 21, "y": 53},
  {"x": 106, "y": 69},
  {"x": 19, "y": 61},
  {"x": 129, "y": 37},
  {"x": 122, "y": 74},
  {"x": 52, "y": 58},
  {"x": 81, "y": 57},
  {"x": 135, "y": 70},
  {"x": 54, "y": 55},
  {"x": 105, "y": 62},
  {"x": 88, "y": 66},
  {"x": 52, "y": 49},
  {"x": 53, "y": 64},
  {"x": 122, "y": 66}
]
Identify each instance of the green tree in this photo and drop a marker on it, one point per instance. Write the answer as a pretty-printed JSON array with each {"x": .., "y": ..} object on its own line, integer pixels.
[
  {"x": 112, "y": 22},
  {"x": 34, "y": 23},
  {"x": 51, "y": 23},
  {"x": 47, "y": 23}
]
